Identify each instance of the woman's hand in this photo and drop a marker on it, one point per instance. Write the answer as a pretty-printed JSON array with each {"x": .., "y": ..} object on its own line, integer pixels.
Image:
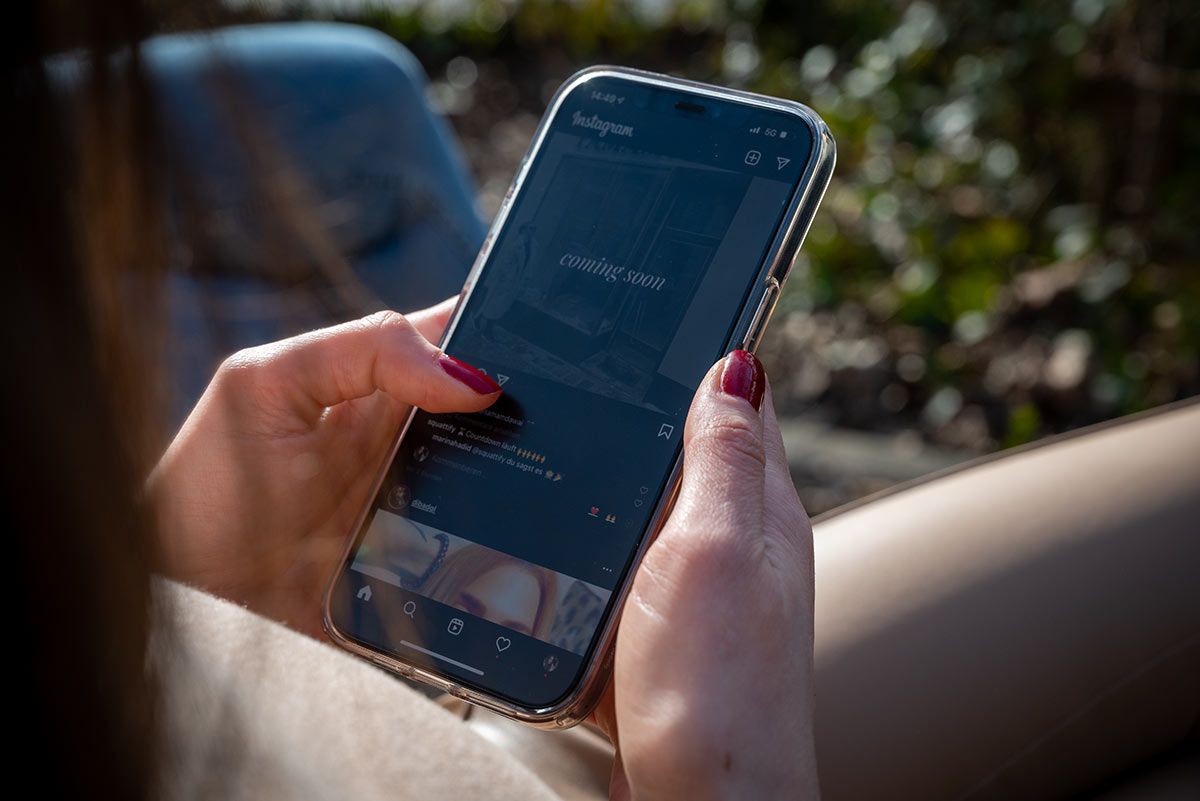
[
  {"x": 262, "y": 485},
  {"x": 711, "y": 695}
]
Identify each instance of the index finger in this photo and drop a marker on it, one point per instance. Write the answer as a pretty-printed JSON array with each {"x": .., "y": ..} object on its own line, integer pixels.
[{"x": 306, "y": 374}]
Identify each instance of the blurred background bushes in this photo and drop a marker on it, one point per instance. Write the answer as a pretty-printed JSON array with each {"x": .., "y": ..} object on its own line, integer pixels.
[{"x": 1009, "y": 247}]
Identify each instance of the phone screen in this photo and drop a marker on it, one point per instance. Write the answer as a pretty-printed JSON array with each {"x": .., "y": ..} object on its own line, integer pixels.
[{"x": 499, "y": 538}]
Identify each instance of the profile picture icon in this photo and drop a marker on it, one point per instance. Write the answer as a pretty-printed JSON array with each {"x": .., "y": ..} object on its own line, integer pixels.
[
  {"x": 398, "y": 497},
  {"x": 421, "y": 453},
  {"x": 550, "y": 663}
]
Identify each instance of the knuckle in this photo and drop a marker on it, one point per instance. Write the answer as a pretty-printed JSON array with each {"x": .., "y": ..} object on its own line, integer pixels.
[
  {"x": 387, "y": 321},
  {"x": 243, "y": 366},
  {"x": 732, "y": 438},
  {"x": 248, "y": 376}
]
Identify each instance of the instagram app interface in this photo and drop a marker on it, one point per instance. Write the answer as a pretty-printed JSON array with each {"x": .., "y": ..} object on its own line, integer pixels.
[{"x": 498, "y": 538}]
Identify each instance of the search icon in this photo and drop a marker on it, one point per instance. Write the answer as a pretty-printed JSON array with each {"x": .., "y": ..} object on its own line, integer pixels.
[{"x": 410, "y": 608}]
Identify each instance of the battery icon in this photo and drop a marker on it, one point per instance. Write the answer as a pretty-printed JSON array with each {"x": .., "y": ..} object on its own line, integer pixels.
[{"x": 783, "y": 134}]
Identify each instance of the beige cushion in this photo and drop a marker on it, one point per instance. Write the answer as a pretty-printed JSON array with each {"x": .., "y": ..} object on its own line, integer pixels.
[{"x": 1024, "y": 629}]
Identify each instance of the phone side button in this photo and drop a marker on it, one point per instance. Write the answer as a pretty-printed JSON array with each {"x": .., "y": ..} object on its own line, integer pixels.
[{"x": 762, "y": 315}]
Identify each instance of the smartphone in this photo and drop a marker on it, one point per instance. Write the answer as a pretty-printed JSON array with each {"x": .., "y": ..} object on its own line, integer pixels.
[{"x": 649, "y": 231}]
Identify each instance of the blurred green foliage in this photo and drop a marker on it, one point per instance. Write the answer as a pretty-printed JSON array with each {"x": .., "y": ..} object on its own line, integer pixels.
[{"x": 1009, "y": 247}]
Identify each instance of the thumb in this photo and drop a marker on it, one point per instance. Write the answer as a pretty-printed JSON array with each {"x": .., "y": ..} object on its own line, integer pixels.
[
  {"x": 721, "y": 496},
  {"x": 384, "y": 352},
  {"x": 684, "y": 644}
]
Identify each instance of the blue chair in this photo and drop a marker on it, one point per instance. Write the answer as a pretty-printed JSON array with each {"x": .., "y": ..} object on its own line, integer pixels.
[{"x": 377, "y": 210}]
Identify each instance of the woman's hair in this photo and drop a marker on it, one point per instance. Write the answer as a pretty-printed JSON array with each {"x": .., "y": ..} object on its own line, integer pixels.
[
  {"x": 84, "y": 333},
  {"x": 472, "y": 562},
  {"x": 81, "y": 337}
]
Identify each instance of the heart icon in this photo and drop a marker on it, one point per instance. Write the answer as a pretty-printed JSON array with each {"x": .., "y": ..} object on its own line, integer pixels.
[{"x": 502, "y": 643}]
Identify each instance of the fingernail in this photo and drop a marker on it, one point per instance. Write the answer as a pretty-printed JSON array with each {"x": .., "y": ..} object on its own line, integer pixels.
[
  {"x": 743, "y": 376},
  {"x": 474, "y": 378}
]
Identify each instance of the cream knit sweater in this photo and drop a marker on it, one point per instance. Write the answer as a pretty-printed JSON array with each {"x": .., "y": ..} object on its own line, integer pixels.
[{"x": 254, "y": 710}]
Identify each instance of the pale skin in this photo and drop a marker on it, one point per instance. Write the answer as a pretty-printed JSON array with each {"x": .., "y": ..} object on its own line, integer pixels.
[{"x": 711, "y": 693}]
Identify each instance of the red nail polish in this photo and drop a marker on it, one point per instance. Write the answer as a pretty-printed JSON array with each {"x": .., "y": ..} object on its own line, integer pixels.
[
  {"x": 743, "y": 376},
  {"x": 471, "y": 376}
]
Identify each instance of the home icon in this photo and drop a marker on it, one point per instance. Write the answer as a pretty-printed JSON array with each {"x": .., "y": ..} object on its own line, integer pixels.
[{"x": 365, "y": 593}]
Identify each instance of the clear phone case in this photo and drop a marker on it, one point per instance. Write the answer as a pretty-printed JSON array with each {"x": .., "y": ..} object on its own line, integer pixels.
[{"x": 752, "y": 321}]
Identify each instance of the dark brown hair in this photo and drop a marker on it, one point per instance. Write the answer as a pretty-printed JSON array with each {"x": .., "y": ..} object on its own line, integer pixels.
[
  {"x": 83, "y": 307},
  {"x": 84, "y": 327}
]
